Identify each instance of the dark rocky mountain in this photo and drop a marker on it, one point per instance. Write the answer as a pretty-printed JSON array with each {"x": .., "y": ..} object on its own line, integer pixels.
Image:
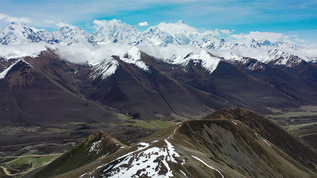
[
  {"x": 152, "y": 94},
  {"x": 227, "y": 143},
  {"x": 47, "y": 90},
  {"x": 298, "y": 82},
  {"x": 46, "y": 99},
  {"x": 41, "y": 102}
]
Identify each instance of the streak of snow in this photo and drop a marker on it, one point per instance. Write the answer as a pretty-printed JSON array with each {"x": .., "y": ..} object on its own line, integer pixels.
[
  {"x": 83, "y": 175},
  {"x": 27, "y": 63},
  {"x": 175, "y": 130},
  {"x": 5, "y": 72},
  {"x": 207, "y": 165},
  {"x": 171, "y": 151},
  {"x": 266, "y": 142},
  {"x": 183, "y": 173},
  {"x": 263, "y": 139},
  {"x": 234, "y": 122}
]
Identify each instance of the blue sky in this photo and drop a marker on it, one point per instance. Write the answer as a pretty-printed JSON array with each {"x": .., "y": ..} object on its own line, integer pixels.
[{"x": 295, "y": 19}]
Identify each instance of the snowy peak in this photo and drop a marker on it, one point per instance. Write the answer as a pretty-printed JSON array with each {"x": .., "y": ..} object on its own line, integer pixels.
[
  {"x": 134, "y": 57},
  {"x": 207, "y": 60},
  {"x": 254, "y": 43},
  {"x": 282, "y": 58},
  {"x": 71, "y": 35},
  {"x": 20, "y": 34},
  {"x": 114, "y": 31},
  {"x": 16, "y": 34},
  {"x": 170, "y": 33},
  {"x": 109, "y": 66},
  {"x": 105, "y": 69},
  {"x": 175, "y": 28}
]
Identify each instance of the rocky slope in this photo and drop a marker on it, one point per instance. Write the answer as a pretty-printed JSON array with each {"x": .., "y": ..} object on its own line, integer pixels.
[{"x": 228, "y": 143}]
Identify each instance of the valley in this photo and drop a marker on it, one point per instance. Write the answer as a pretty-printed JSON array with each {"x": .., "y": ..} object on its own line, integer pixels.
[{"x": 45, "y": 146}]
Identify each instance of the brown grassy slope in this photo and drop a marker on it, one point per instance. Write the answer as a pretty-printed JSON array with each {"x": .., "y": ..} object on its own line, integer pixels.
[
  {"x": 278, "y": 136},
  {"x": 225, "y": 143}
]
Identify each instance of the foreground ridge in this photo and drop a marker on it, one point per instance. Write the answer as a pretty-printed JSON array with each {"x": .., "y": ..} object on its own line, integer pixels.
[{"x": 228, "y": 143}]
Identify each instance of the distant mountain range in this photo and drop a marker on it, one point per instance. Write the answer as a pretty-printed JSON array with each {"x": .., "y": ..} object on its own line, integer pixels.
[
  {"x": 116, "y": 32},
  {"x": 138, "y": 84}
]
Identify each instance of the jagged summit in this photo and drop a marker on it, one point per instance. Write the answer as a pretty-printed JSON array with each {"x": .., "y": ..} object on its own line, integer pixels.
[
  {"x": 70, "y": 35},
  {"x": 200, "y": 56},
  {"x": 114, "y": 31},
  {"x": 279, "y": 57},
  {"x": 17, "y": 33}
]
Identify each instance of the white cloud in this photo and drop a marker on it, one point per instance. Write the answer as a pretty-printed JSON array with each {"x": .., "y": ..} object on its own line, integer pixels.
[
  {"x": 62, "y": 24},
  {"x": 273, "y": 37},
  {"x": 226, "y": 31},
  {"x": 102, "y": 23},
  {"x": 49, "y": 21},
  {"x": 8, "y": 18},
  {"x": 17, "y": 51},
  {"x": 300, "y": 40},
  {"x": 143, "y": 24},
  {"x": 210, "y": 32},
  {"x": 90, "y": 54}
]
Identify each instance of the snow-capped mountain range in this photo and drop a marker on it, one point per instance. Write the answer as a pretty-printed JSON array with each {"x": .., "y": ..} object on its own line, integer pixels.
[
  {"x": 175, "y": 43},
  {"x": 114, "y": 31}
]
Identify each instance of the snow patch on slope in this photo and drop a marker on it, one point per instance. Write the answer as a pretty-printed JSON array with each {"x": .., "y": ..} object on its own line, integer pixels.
[
  {"x": 150, "y": 162},
  {"x": 5, "y": 72},
  {"x": 95, "y": 147},
  {"x": 105, "y": 69},
  {"x": 202, "y": 56},
  {"x": 134, "y": 57},
  {"x": 281, "y": 58}
]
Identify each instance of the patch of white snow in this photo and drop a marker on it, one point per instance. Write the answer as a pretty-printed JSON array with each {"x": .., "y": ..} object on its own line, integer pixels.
[
  {"x": 134, "y": 57},
  {"x": 208, "y": 61},
  {"x": 145, "y": 162},
  {"x": 95, "y": 147},
  {"x": 105, "y": 69}
]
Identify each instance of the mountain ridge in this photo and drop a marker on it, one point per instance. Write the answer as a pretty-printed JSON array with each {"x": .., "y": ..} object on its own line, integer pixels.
[
  {"x": 113, "y": 31},
  {"x": 220, "y": 145}
]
